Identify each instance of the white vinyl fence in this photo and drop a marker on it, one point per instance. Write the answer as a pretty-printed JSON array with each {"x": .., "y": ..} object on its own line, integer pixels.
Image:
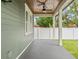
[{"x": 47, "y": 33}]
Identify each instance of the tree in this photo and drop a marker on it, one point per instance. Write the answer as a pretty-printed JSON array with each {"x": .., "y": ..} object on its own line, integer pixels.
[
  {"x": 71, "y": 14},
  {"x": 44, "y": 21}
]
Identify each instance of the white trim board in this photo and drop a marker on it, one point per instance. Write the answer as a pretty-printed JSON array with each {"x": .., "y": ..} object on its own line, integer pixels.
[
  {"x": 28, "y": 33},
  {"x": 24, "y": 50}
]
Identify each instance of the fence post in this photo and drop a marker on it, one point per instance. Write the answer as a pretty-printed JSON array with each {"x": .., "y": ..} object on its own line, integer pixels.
[
  {"x": 37, "y": 32},
  {"x": 53, "y": 27}
]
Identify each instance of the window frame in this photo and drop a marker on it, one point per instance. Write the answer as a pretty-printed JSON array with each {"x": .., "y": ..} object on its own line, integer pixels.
[{"x": 28, "y": 20}]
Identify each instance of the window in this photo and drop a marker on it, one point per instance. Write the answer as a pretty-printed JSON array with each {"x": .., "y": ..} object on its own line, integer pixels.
[
  {"x": 31, "y": 23},
  {"x": 26, "y": 21}
]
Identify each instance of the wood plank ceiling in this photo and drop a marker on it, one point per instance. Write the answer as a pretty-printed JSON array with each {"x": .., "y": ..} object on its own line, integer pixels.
[{"x": 51, "y": 6}]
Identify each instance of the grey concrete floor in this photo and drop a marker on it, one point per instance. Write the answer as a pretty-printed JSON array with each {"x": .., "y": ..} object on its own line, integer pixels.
[{"x": 46, "y": 49}]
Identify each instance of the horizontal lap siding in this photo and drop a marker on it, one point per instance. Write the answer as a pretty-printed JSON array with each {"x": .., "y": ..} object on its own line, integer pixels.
[{"x": 12, "y": 29}]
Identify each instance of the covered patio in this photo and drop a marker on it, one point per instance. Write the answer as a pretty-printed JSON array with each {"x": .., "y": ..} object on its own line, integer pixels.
[
  {"x": 47, "y": 49},
  {"x": 17, "y": 29}
]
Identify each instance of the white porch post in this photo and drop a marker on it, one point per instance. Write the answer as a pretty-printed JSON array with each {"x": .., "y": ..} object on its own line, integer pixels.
[
  {"x": 53, "y": 27},
  {"x": 60, "y": 27}
]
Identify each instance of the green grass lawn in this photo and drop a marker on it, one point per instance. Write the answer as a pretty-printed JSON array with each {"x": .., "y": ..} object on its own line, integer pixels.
[{"x": 72, "y": 47}]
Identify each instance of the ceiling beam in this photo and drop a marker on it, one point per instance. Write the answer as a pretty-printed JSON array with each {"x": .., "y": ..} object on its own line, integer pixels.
[
  {"x": 43, "y": 12},
  {"x": 43, "y": 15},
  {"x": 30, "y": 4},
  {"x": 59, "y": 6}
]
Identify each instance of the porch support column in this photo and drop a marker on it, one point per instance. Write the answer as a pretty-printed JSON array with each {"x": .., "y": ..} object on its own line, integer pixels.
[
  {"x": 60, "y": 28},
  {"x": 53, "y": 27}
]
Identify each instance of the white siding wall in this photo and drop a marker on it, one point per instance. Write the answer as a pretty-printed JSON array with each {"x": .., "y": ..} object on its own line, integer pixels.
[{"x": 13, "y": 38}]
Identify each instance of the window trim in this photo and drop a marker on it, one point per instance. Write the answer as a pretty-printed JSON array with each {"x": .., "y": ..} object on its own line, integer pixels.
[{"x": 27, "y": 19}]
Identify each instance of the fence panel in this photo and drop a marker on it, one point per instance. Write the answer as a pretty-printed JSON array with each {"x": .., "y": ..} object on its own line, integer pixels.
[{"x": 47, "y": 33}]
